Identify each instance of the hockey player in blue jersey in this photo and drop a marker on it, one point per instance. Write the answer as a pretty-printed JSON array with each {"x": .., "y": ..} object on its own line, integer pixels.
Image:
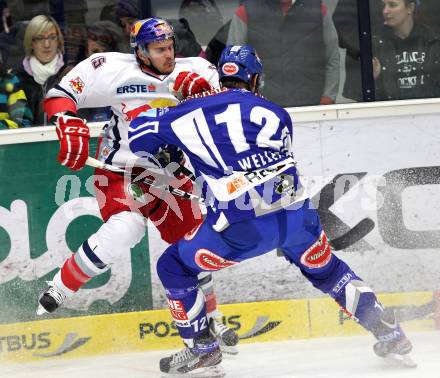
[{"x": 240, "y": 147}]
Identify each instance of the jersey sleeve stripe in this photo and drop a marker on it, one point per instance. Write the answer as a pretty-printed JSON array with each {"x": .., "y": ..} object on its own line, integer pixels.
[{"x": 61, "y": 89}]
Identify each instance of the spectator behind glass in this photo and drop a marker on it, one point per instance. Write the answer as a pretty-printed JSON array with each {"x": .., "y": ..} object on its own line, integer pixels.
[
  {"x": 14, "y": 109},
  {"x": 127, "y": 13},
  {"x": 74, "y": 31},
  {"x": 6, "y": 19},
  {"x": 102, "y": 36},
  {"x": 217, "y": 44},
  {"x": 345, "y": 18},
  {"x": 406, "y": 54},
  {"x": 43, "y": 65},
  {"x": 186, "y": 43},
  {"x": 123, "y": 14},
  {"x": 297, "y": 42},
  {"x": 24, "y": 10},
  {"x": 203, "y": 17}
]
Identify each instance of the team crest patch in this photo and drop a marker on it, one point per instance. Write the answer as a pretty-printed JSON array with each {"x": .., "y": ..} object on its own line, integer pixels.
[
  {"x": 319, "y": 254},
  {"x": 106, "y": 151},
  {"x": 230, "y": 68},
  {"x": 208, "y": 260},
  {"x": 136, "y": 192},
  {"x": 98, "y": 62},
  {"x": 77, "y": 85}
]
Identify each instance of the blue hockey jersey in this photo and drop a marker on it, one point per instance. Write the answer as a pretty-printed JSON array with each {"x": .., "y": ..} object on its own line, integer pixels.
[{"x": 239, "y": 145}]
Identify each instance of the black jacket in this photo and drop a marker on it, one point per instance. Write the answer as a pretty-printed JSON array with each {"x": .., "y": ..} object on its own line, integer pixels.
[
  {"x": 35, "y": 92},
  {"x": 345, "y": 19},
  {"x": 410, "y": 67}
]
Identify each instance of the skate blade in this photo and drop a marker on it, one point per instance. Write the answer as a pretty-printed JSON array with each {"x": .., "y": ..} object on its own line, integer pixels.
[
  {"x": 229, "y": 350},
  {"x": 401, "y": 360},
  {"x": 216, "y": 371},
  {"x": 40, "y": 310}
]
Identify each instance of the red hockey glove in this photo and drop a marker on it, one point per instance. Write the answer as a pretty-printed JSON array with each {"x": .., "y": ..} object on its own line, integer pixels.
[
  {"x": 188, "y": 84},
  {"x": 74, "y": 136}
]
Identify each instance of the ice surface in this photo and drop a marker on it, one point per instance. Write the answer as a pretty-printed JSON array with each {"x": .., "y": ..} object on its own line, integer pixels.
[{"x": 313, "y": 358}]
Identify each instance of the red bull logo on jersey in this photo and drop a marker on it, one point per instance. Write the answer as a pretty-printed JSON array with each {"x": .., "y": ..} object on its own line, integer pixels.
[
  {"x": 77, "y": 85},
  {"x": 230, "y": 68},
  {"x": 131, "y": 114}
]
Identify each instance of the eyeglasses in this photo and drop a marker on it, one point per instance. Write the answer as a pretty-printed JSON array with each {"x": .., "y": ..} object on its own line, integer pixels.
[{"x": 40, "y": 39}]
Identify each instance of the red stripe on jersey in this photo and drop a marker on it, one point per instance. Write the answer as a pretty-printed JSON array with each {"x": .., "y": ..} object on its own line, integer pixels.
[{"x": 72, "y": 276}]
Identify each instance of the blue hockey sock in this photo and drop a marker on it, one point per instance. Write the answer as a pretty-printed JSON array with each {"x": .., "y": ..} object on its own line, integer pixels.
[
  {"x": 187, "y": 307},
  {"x": 358, "y": 300}
]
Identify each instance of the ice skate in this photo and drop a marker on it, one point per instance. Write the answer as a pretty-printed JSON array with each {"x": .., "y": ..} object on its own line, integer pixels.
[
  {"x": 226, "y": 337},
  {"x": 393, "y": 345},
  {"x": 50, "y": 299},
  {"x": 200, "y": 360}
]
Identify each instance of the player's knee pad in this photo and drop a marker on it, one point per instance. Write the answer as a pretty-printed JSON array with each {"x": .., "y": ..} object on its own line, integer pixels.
[
  {"x": 172, "y": 271},
  {"x": 121, "y": 231}
]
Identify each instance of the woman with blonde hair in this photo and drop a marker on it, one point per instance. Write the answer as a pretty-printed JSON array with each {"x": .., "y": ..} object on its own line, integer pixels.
[{"x": 43, "y": 65}]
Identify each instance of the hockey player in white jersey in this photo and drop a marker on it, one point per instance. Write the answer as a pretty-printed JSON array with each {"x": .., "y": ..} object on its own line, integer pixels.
[{"x": 129, "y": 84}]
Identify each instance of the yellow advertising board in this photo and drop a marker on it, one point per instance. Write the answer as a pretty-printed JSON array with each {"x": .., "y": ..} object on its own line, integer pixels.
[{"x": 152, "y": 330}]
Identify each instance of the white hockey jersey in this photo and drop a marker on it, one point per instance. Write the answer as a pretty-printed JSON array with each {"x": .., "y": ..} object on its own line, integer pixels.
[{"x": 116, "y": 80}]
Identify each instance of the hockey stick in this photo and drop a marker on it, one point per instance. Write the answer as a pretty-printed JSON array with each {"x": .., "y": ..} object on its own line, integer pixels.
[
  {"x": 351, "y": 237},
  {"x": 364, "y": 227},
  {"x": 92, "y": 162}
]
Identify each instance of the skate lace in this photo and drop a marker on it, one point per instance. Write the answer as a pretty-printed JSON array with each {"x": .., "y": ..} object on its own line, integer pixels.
[
  {"x": 182, "y": 356},
  {"x": 55, "y": 294},
  {"x": 220, "y": 328}
]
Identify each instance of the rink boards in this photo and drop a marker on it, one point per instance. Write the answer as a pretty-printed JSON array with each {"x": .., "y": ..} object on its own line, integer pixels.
[{"x": 150, "y": 330}]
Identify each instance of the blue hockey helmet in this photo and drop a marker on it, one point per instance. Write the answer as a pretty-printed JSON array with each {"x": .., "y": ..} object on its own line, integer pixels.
[
  {"x": 150, "y": 30},
  {"x": 241, "y": 62}
]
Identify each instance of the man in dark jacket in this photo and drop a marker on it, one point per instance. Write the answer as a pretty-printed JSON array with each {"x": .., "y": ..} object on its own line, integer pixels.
[{"x": 297, "y": 43}]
